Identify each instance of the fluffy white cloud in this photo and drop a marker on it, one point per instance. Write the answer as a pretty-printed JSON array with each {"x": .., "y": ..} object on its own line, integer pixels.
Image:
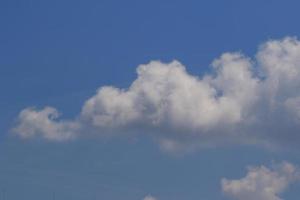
[
  {"x": 241, "y": 101},
  {"x": 165, "y": 95},
  {"x": 262, "y": 183}
]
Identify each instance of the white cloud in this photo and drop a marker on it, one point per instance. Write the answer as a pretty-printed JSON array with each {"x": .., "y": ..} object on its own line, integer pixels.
[
  {"x": 166, "y": 95},
  {"x": 241, "y": 101},
  {"x": 149, "y": 197},
  {"x": 262, "y": 183},
  {"x": 32, "y": 122}
]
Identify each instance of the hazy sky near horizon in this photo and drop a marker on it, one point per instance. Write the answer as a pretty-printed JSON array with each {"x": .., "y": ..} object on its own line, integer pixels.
[{"x": 149, "y": 100}]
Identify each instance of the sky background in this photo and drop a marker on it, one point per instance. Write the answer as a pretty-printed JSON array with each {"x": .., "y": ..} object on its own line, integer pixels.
[{"x": 60, "y": 52}]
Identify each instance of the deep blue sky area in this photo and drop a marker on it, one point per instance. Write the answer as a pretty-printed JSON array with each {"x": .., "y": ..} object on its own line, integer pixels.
[{"x": 58, "y": 52}]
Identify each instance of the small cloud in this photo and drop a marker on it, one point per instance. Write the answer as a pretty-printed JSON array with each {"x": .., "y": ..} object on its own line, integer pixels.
[
  {"x": 33, "y": 122},
  {"x": 262, "y": 183},
  {"x": 149, "y": 197}
]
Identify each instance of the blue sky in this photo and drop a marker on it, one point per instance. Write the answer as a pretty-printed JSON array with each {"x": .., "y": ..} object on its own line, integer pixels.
[{"x": 58, "y": 53}]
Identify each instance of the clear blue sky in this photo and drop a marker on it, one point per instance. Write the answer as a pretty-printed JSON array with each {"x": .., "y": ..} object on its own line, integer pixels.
[{"x": 60, "y": 52}]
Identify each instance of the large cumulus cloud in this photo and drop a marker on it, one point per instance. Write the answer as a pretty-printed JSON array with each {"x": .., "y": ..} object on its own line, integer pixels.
[{"x": 242, "y": 100}]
